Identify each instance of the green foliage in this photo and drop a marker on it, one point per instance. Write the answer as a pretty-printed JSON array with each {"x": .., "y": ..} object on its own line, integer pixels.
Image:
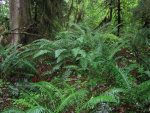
[
  {"x": 12, "y": 62},
  {"x": 4, "y": 13},
  {"x": 108, "y": 96},
  {"x": 38, "y": 109},
  {"x": 141, "y": 12},
  {"x": 48, "y": 15},
  {"x": 13, "y": 110},
  {"x": 139, "y": 44},
  {"x": 138, "y": 95},
  {"x": 85, "y": 49},
  {"x": 53, "y": 99},
  {"x": 83, "y": 69}
]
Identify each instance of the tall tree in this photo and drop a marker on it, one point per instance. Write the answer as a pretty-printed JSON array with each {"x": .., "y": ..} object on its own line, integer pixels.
[{"x": 20, "y": 18}]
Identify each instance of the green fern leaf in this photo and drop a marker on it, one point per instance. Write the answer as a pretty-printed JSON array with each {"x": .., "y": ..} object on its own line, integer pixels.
[
  {"x": 71, "y": 67},
  {"x": 13, "y": 110},
  {"x": 22, "y": 102},
  {"x": 115, "y": 50},
  {"x": 108, "y": 96},
  {"x": 31, "y": 66},
  {"x": 122, "y": 77},
  {"x": 79, "y": 28},
  {"x": 147, "y": 72},
  {"x": 58, "y": 52},
  {"x": 38, "y": 109},
  {"x": 75, "y": 51},
  {"x": 41, "y": 52},
  {"x": 68, "y": 99},
  {"x": 115, "y": 90},
  {"x": 47, "y": 87},
  {"x": 93, "y": 101}
]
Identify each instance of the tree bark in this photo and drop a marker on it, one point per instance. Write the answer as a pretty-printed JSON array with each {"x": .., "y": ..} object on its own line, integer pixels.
[{"x": 20, "y": 18}]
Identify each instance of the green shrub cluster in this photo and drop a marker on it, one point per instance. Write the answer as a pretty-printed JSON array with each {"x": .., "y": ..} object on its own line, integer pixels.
[{"x": 82, "y": 71}]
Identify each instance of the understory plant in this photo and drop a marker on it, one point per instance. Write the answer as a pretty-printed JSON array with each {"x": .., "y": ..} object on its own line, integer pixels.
[
  {"x": 78, "y": 72},
  {"x": 46, "y": 97}
]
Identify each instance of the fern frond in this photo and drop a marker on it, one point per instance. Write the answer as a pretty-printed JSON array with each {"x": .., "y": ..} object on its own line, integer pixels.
[
  {"x": 143, "y": 91},
  {"x": 115, "y": 90},
  {"x": 108, "y": 96},
  {"x": 48, "y": 87},
  {"x": 13, "y": 110},
  {"x": 41, "y": 53},
  {"x": 93, "y": 101},
  {"x": 31, "y": 67},
  {"x": 58, "y": 52},
  {"x": 39, "y": 109},
  {"x": 115, "y": 49},
  {"x": 22, "y": 102},
  {"x": 78, "y": 28},
  {"x": 139, "y": 93},
  {"x": 69, "y": 100}
]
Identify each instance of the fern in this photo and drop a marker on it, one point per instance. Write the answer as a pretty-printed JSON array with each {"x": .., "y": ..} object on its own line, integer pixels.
[
  {"x": 14, "y": 61},
  {"x": 48, "y": 87},
  {"x": 143, "y": 91},
  {"x": 13, "y": 110},
  {"x": 139, "y": 94},
  {"x": 115, "y": 49},
  {"x": 76, "y": 53},
  {"x": 23, "y": 102},
  {"x": 105, "y": 97},
  {"x": 58, "y": 52},
  {"x": 40, "y": 53},
  {"x": 68, "y": 100},
  {"x": 125, "y": 79},
  {"x": 31, "y": 66},
  {"x": 39, "y": 109},
  {"x": 93, "y": 101}
]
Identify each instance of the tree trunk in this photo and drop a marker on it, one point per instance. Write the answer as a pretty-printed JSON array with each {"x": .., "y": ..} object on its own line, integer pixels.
[{"x": 20, "y": 18}]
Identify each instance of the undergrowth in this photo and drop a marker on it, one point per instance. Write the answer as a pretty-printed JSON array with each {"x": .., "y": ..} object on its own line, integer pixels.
[{"x": 78, "y": 72}]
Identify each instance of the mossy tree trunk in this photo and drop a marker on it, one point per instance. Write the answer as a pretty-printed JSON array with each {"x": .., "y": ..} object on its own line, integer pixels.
[{"x": 20, "y": 19}]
